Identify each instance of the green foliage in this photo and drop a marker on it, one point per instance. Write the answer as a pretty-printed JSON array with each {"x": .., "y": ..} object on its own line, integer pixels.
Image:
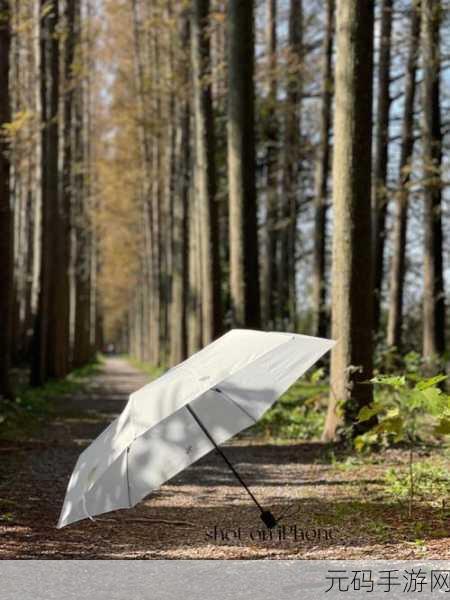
[
  {"x": 145, "y": 367},
  {"x": 431, "y": 482},
  {"x": 30, "y": 404},
  {"x": 299, "y": 413},
  {"x": 407, "y": 407}
]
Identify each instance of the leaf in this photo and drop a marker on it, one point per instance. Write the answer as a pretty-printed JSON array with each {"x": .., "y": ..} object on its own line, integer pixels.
[
  {"x": 391, "y": 425},
  {"x": 431, "y": 400},
  {"x": 394, "y": 412},
  {"x": 366, "y": 439},
  {"x": 443, "y": 428},
  {"x": 317, "y": 375},
  {"x": 423, "y": 384},
  {"x": 367, "y": 412},
  {"x": 395, "y": 381}
]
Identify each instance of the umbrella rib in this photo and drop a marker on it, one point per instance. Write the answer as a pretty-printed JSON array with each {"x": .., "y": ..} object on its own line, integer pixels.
[
  {"x": 236, "y": 404},
  {"x": 230, "y": 465},
  {"x": 128, "y": 481}
]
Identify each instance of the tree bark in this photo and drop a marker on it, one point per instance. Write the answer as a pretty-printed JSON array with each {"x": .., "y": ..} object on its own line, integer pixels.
[
  {"x": 82, "y": 331},
  {"x": 380, "y": 195},
  {"x": 49, "y": 85},
  {"x": 352, "y": 298},
  {"x": 270, "y": 263},
  {"x": 206, "y": 172},
  {"x": 59, "y": 306},
  {"x": 180, "y": 249},
  {"x": 6, "y": 215},
  {"x": 434, "y": 295},
  {"x": 156, "y": 200},
  {"x": 194, "y": 303},
  {"x": 321, "y": 181},
  {"x": 397, "y": 271},
  {"x": 243, "y": 232}
]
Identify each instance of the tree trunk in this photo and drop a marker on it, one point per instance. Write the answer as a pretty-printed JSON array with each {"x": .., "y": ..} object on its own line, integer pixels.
[
  {"x": 380, "y": 195},
  {"x": 434, "y": 296},
  {"x": 148, "y": 276},
  {"x": 321, "y": 182},
  {"x": 49, "y": 102},
  {"x": 269, "y": 293},
  {"x": 82, "y": 332},
  {"x": 156, "y": 200},
  {"x": 352, "y": 298},
  {"x": 206, "y": 172},
  {"x": 180, "y": 248},
  {"x": 59, "y": 306},
  {"x": 6, "y": 215},
  {"x": 194, "y": 304},
  {"x": 243, "y": 232},
  {"x": 397, "y": 272}
]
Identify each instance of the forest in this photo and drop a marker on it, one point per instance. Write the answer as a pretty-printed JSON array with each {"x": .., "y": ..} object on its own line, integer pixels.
[{"x": 170, "y": 170}]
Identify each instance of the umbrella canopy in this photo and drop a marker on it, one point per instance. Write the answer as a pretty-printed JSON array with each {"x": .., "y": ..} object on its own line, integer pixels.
[{"x": 176, "y": 419}]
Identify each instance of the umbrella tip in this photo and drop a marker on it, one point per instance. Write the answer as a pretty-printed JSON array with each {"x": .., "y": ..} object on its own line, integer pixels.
[{"x": 268, "y": 519}]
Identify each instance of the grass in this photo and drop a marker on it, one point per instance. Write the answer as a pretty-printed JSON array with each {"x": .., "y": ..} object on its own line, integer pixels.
[
  {"x": 145, "y": 367},
  {"x": 431, "y": 482},
  {"x": 33, "y": 405},
  {"x": 298, "y": 414}
]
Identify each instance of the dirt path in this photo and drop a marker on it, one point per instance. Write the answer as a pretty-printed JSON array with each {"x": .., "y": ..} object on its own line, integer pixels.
[{"x": 202, "y": 513}]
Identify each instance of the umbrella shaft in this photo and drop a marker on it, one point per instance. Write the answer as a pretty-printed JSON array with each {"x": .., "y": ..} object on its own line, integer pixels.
[{"x": 238, "y": 477}]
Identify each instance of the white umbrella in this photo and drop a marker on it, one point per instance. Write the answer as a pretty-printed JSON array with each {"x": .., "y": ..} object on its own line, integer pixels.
[{"x": 176, "y": 419}]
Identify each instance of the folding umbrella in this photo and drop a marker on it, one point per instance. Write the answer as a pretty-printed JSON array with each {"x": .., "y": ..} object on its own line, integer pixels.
[{"x": 176, "y": 419}]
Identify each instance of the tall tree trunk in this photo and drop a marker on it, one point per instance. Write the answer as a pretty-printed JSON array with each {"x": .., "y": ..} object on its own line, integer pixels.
[
  {"x": 287, "y": 304},
  {"x": 434, "y": 296},
  {"x": 352, "y": 301},
  {"x": 380, "y": 195},
  {"x": 37, "y": 209},
  {"x": 194, "y": 304},
  {"x": 206, "y": 172},
  {"x": 168, "y": 136},
  {"x": 82, "y": 332},
  {"x": 6, "y": 215},
  {"x": 156, "y": 199},
  {"x": 270, "y": 263},
  {"x": 244, "y": 268},
  {"x": 321, "y": 181},
  {"x": 148, "y": 275},
  {"x": 59, "y": 306},
  {"x": 42, "y": 349},
  {"x": 397, "y": 272},
  {"x": 180, "y": 248}
]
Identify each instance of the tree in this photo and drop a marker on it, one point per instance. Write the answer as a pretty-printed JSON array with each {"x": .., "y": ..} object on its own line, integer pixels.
[
  {"x": 49, "y": 89},
  {"x": 6, "y": 221},
  {"x": 270, "y": 254},
  {"x": 144, "y": 183},
  {"x": 206, "y": 172},
  {"x": 180, "y": 275},
  {"x": 243, "y": 232},
  {"x": 287, "y": 304},
  {"x": 321, "y": 180},
  {"x": 397, "y": 271},
  {"x": 59, "y": 297},
  {"x": 352, "y": 298},
  {"x": 82, "y": 350},
  {"x": 433, "y": 295},
  {"x": 380, "y": 195}
]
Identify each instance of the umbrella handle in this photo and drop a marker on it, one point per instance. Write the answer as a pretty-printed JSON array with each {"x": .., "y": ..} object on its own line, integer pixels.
[
  {"x": 268, "y": 519},
  {"x": 266, "y": 516}
]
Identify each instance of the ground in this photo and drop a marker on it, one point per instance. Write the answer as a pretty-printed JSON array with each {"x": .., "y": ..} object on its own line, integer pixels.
[{"x": 332, "y": 509}]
